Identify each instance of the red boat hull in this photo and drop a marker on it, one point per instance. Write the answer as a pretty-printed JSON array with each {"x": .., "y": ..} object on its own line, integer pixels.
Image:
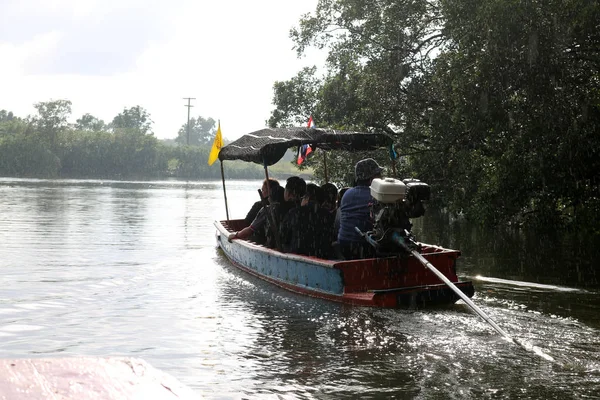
[{"x": 391, "y": 282}]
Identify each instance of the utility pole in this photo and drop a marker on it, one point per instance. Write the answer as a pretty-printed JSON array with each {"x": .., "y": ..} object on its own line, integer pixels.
[{"x": 188, "y": 105}]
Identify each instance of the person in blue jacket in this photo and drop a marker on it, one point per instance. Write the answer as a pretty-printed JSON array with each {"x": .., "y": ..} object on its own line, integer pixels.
[{"x": 355, "y": 212}]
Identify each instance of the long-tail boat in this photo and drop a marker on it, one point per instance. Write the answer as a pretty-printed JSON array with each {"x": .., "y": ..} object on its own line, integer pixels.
[{"x": 405, "y": 273}]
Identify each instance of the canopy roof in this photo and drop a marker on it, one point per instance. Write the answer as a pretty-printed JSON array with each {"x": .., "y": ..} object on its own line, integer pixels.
[{"x": 267, "y": 146}]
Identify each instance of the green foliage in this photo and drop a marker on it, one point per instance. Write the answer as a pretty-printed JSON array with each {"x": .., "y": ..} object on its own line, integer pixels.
[
  {"x": 494, "y": 103},
  {"x": 134, "y": 120},
  {"x": 51, "y": 119},
  {"x": 104, "y": 154},
  {"x": 11, "y": 125},
  {"x": 27, "y": 156},
  {"x": 192, "y": 162},
  {"x": 88, "y": 122},
  {"x": 202, "y": 131},
  {"x": 516, "y": 89},
  {"x": 295, "y": 99},
  {"x": 89, "y": 149},
  {"x": 6, "y": 116}
]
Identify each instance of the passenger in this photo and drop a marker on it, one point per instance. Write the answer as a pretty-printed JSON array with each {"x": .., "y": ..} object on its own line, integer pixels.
[
  {"x": 294, "y": 190},
  {"x": 355, "y": 212},
  {"x": 295, "y": 187},
  {"x": 273, "y": 185},
  {"x": 308, "y": 229},
  {"x": 336, "y": 224},
  {"x": 341, "y": 195},
  {"x": 288, "y": 200},
  {"x": 330, "y": 192},
  {"x": 273, "y": 221},
  {"x": 257, "y": 231},
  {"x": 317, "y": 193}
]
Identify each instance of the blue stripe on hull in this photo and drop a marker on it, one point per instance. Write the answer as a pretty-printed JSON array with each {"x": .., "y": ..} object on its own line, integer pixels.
[{"x": 275, "y": 265}]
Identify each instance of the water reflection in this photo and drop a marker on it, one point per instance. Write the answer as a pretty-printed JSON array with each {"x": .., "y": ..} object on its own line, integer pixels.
[
  {"x": 308, "y": 345},
  {"x": 568, "y": 260},
  {"x": 97, "y": 268},
  {"x": 339, "y": 351}
]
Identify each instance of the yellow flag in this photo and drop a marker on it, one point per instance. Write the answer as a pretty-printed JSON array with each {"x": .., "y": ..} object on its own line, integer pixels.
[{"x": 216, "y": 147}]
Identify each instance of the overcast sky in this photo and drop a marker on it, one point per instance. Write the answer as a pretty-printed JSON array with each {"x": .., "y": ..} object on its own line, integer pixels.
[{"x": 105, "y": 55}]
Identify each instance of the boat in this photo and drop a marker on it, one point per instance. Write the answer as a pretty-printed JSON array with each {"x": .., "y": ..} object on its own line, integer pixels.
[{"x": 405, "y": 273}]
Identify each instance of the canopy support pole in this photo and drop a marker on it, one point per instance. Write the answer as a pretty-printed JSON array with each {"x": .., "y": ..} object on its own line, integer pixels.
[
  {"x": 224, "y": 191},
  {"x": 267, "y": 179},
  {"x": 325, "y": 165}
]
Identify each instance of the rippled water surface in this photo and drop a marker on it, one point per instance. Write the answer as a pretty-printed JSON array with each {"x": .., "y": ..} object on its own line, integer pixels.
[{"x": 130, "y": 268}]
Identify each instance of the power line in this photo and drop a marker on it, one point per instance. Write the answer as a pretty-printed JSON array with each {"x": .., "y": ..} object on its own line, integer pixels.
[{"x": 189, "y": 106}]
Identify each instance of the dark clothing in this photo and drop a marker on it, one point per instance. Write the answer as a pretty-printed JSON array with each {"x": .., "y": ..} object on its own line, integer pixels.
[
  {"x": 279, "y": 211},
  {"x": 308, "y": 230},
  {"x": 258, "y": 226},
  {"x": 253, "y": 212},
  {"x": 336, "y": 222}
]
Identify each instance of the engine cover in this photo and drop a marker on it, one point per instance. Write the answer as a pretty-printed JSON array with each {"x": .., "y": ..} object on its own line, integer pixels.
[{"x": 388, "y": 190}]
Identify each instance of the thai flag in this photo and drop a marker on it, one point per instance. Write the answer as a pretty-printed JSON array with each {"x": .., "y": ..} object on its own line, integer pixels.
[
  {"x": 305, "y": 149},
  {"x": 303, "y": 152}
]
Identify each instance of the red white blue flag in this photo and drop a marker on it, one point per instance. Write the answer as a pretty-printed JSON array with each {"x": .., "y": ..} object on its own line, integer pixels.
[{"x": 305, "y": 149}]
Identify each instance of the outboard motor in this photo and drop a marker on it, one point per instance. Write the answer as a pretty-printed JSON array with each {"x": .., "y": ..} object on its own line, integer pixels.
[{"x": 396, "y": 203}]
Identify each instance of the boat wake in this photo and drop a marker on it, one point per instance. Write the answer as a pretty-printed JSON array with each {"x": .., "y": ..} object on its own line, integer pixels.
[{"x": 526, "y": 284}]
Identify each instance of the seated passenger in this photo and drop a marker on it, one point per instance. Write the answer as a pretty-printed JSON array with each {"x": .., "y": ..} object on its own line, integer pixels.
[
  {"x": 355, "y": 212},
  {"x": 295, "y": 187},
  {"x": 308, "y": 229},
  {"x": 330, "y": 194},
  {"x": 257, "y": 231},
  {"x": 273, "y": 184},
  {"x": 336, "y": 224},
  {"x": 341, "y": 195},
  {"x": 316, "y": 193},
  {"x": 277, "y": 210}
]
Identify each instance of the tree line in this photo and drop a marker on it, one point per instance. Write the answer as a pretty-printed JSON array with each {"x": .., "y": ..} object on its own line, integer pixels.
[
  {"x": 46, "y": 145},
  {"x": 494, "y": 103}
]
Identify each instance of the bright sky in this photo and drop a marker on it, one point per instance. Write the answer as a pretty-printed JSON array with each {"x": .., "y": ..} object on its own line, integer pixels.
[{"x": 105, "y": 55}]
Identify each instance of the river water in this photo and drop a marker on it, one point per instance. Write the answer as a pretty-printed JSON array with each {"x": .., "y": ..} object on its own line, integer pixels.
[{"x": 109, "y": 268}]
